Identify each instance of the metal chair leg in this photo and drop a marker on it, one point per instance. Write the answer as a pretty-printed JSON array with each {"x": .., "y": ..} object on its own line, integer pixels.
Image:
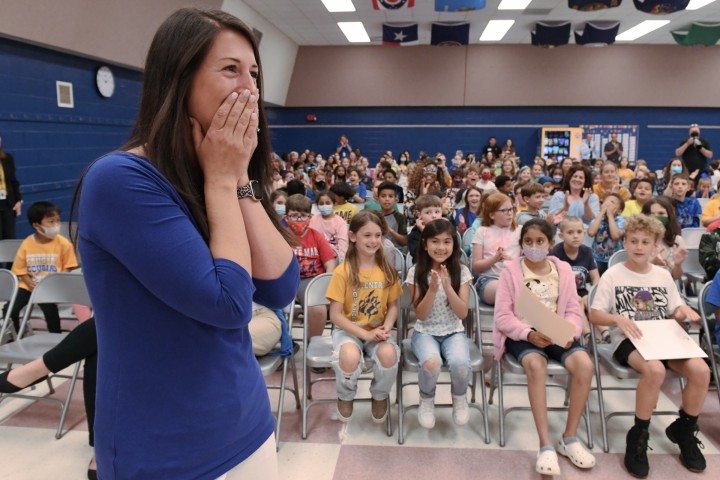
[
  {"x": 66, "y": 405},
  {"x": 501, "y": 406},
  {"x": 293, "y": 367},
  {"x": 281, "y": 402},
  {"x": 485, "y": 412}
]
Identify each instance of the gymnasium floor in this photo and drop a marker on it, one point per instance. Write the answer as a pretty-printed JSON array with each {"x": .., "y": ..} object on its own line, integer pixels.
[{"x": 361, "y": 449}]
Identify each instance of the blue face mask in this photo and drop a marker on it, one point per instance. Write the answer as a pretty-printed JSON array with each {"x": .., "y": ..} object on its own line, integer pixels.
[
  {"x": 557, "y": 179},
  {"x": 325, "y": 209},
  {"x": 280, "y": 210},
  {"x": 675, "y": 169}
]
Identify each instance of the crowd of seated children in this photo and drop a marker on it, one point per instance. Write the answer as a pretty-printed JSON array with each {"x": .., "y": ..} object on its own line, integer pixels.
[{"x": 637, "y": 290}]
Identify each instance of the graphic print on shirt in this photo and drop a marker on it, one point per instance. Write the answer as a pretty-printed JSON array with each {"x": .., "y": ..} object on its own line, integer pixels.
[
  {"x": 643, "y": 303},
  {"x": 542, "y": 291},
  {"x": 309, "y": 260},
  {"x": 369, "y": 306},
  {"x": 41, "y": 265}
]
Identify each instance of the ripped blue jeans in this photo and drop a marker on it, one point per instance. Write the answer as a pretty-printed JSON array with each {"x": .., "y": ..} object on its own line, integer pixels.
[
  {"x": 346, "y": 382},
  {"x": 454, "y": 349}
]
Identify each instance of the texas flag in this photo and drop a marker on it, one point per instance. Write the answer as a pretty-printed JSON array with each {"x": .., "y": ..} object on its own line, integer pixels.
[
  {"x": 396, "y": 34},
  {"x": 392, "y": 4}
]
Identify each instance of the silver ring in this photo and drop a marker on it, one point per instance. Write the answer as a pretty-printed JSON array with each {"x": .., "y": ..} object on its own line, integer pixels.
[{"x": 258, "y": 129}]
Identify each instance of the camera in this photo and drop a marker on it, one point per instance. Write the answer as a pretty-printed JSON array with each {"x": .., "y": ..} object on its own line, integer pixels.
[{"x": 694, "y": 134}]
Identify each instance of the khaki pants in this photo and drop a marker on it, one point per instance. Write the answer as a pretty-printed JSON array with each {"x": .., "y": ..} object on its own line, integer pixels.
[{"x": 265, "y": 331}]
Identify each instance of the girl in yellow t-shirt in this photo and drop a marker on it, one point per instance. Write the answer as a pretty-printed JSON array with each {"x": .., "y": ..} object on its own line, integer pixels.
[{"x": 363, "y": 295}]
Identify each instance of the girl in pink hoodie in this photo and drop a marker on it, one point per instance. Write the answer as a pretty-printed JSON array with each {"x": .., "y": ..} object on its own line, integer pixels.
[{"x": 553, "y": 282}]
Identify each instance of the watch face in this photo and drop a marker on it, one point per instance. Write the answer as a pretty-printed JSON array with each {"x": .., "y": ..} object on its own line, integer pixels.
[
  {"x": 256, "y": 190},
  {"x": 105, "y": 82}
]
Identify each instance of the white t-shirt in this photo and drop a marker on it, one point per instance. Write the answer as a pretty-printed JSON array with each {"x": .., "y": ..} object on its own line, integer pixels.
[
  {"x": 638, "y": 296},
  {"x": 493, "y": 237},
  {"x": 441, "y": 320}
]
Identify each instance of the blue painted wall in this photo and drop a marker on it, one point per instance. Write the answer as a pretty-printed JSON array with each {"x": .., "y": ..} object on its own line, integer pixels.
[
  {"x": 52, "y": 145},
  {"x": 661, "y": 129}
]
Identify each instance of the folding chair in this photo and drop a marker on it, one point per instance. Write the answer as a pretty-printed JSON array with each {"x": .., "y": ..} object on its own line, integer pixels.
[
  {"x": 509, "y": 364},
  {"x": 318, "y": 352},
  {"x": 398, "y": 261},
  {"x": 55, "y": 288},
  {"x": 712, "y": 349},
  {"x": 8, "y": 291},
  {"x": 603, "y": 355},
  {"x": 617, "y": 257},
  {"x": 693, "y": 272},
  {"x": 409, "y": 362},
  {"x": 691, "y": 236},
  {"x": 8, "y": 250},
  {"x": 270, "y": 363},
  {"x": 467, "y": 239}
]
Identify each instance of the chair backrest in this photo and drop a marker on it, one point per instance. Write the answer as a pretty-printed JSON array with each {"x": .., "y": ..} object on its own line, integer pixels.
[
  {"x": 8, "y": 290},
  {"x": 703, "y": 201},
  {"x": 692, "y": 236},
  {"x": 8, "y": 250},
  {"x": 617, "y": 257},
  {"x": 692, "y": 262},
  {"x": 467, "y": 239},
  {"x": 408, "y": 261},
  {"x": 63, "y": 287},
  {"x": 398, "y": 261},
  {"x": 316, "y": 290}
]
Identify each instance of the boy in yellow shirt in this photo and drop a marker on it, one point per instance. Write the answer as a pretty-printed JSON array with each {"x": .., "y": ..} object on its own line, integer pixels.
[{"x": 41, "y": 254}]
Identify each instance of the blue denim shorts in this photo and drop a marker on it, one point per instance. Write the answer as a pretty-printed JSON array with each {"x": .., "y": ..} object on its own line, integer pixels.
[
  {"x": 519, "y": 349},
  {"x": 482, "y": 282}
]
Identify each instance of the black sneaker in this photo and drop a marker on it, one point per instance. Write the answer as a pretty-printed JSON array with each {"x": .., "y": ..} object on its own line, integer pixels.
[
  {"x": 685, "y": 435},
  {"x": 636, "y": 448}
]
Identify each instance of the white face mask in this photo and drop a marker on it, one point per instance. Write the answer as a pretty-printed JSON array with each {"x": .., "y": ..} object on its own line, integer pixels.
[
  {"x": 50, "y": 232},
  {"x": 325, "y": 209}
]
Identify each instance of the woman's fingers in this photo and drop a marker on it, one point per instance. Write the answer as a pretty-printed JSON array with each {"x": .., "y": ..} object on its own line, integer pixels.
[
  {"x": 240, "y": 113},
  {"x": 221, "y": 116}
]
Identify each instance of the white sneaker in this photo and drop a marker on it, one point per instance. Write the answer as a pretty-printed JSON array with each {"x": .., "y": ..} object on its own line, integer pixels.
[
  {"x": 461, "y": 410},
  {"x": 426, "y": 412}
]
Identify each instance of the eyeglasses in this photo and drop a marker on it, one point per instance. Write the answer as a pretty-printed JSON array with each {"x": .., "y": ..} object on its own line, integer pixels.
[
  {"x": 506, "y": 210},
  {"x": 299, "y": 217},
  {"x": 694, "y": 125}
]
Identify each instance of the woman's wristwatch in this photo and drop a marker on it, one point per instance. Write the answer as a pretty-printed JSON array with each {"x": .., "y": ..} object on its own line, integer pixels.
[{"x": 252, "y": 190}]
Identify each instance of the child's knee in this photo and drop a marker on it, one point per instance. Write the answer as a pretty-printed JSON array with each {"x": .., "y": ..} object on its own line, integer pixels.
[
  {"x": 698, "y": 372},
  {"x": 386, "y": 355},
  {"x": 534, "y": 364},
  {"x": 654, "y": 372},
  {"x": 349, "y": 358},
  {"x": 432, "y": 364}
]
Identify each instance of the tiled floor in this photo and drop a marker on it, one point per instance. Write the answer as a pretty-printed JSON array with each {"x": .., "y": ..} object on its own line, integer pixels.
[{"x": 361, "y": 449}]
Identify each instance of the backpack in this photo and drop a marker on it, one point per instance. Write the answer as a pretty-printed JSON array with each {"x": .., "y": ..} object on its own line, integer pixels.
[{"x": 709, "y": 253}]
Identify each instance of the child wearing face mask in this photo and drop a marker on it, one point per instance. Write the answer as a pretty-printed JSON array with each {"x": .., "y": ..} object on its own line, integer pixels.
[
  {"x": 314, "y": 254},
  {"x": 333, "y": 226},
  {"x": 552, "y": 281},
  {"x": 41, "y": 254}
]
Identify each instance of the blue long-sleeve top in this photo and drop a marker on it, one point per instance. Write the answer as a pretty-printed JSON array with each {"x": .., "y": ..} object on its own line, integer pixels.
[
  {"x": 576, "y": 208},
  {"x": 179, "y": 392}
]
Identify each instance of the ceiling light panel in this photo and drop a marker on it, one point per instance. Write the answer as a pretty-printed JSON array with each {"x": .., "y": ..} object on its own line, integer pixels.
[
  {"x": 337, "y": 6},
  {"x": 513, "y": 4},
  {"x": 496, "y": 30},
  {"x": 354, "y": 31},
  {"x": 698, "y": 4},
  {"x": 640, "y": 30}
]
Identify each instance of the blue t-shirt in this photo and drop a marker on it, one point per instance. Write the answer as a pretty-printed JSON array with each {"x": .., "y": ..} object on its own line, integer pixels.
[
  {"x": 689, "y": 212},
  {"x": 713, "y": 298},
  {"x": 179, "y": 393},
  {"x": 583, "y": 264}
]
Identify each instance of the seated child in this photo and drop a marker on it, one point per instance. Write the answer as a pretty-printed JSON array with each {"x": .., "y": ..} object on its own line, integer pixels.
[
  {"x": 439, "y": 286},
  {"x": 396, "y": 221},
  {"x": 533, "y": 349},
  {"x": 607, "y": 230},
  {"x": 671, "y": 247},
  {"x": 581, "y": 260},
  {"x": 278, "y": 199},
  {"x": 637, "y": 290},
  {"x": 465, "y": 215},
  {"x": 534, "y": 196},
  {"x": 332, "y": 225},
  {"x": 343, "y": 194},
  {"x": 688, "y": 208},
  {"x": 704, "y": 188},
  {"x": 41, "y": 254},
  {"x": 427, "y": 208},
  {"x": 494, "y": 243},
  {"x": 314, "y": 254},
  {"x": 359, "y": 188},
  {"x": 642, "y": 192},
  {"x": 363, "y": 295}
]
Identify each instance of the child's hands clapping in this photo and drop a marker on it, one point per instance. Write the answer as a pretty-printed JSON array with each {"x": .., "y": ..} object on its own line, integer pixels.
[
  {"x": 434, "y": 281},
  {"x": 499, "y": 255},
  {"x": 445, "y": 279},
  {"x": 679, "y": 254}
]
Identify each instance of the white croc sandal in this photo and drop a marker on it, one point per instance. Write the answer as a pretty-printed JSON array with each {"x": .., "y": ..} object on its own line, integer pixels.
[
  {"x": 547, "y": 463},
  {"x": 577, "y": 454}
]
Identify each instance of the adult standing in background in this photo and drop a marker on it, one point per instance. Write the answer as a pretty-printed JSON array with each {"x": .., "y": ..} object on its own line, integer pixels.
[
  {"x": 613, "y": 149},
  {"x": 178, "y": 238},
  {"x": 343, "y": 147},
  {"x": 695, "y": 152},
  {"x": 492, "y": 147},
  {"x": 10, "y": 196},
  {"x": 588, "y": 149}
]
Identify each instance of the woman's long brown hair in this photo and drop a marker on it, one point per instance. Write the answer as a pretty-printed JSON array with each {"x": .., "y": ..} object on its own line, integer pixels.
[{"x": 163, "y": 125}]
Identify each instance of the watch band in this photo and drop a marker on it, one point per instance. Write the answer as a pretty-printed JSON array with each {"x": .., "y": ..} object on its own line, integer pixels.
[{"x": 248, "y": 191}]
